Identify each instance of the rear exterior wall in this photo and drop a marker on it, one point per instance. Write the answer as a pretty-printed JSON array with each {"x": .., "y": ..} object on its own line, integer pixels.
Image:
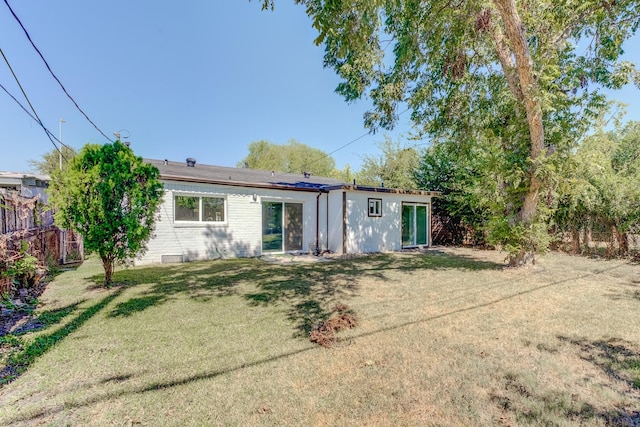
[{"x": 239, "y": 235}]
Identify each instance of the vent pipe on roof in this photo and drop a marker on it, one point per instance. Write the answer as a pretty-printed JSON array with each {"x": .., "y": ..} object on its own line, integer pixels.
[
  {"x": 166, "y": 162},
  {"x": 307, "y": 174},
  {"x": 191, "y": 162},
  {"x": 272, "y": 173}
]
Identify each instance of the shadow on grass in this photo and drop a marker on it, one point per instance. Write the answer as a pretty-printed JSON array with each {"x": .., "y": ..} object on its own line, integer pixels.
[
  {"x": 435, "y": 259},
  {"x": 160, "y": 385},
  {"x": 46, "y": 319},
  {"x": 308, "y": 290},
  {"x": 532, "y": 405},
  {"x": 20, "y": 360},
  {"x": 615, "y": 357}
]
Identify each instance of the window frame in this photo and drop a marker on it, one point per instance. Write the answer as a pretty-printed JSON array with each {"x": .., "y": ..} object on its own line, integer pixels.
[
  {"x": 376, "y": 203},
  {"x": 200, "y": 208}
]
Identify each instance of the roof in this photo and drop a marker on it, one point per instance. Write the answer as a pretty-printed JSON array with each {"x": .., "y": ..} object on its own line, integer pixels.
[
  {"x": 244, "y": 177},
  {"x": 179, "y": 171},
  {"x": 22, "y": 178}
]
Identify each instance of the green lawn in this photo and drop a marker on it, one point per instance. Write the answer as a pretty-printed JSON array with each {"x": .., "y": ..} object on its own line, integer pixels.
[{"x": 447, "y": 337}]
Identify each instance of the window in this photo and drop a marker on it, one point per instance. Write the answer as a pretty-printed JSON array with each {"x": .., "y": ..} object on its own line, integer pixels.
[
  {"x": 375, "y": 207},
  {"x": 199, "y": 208}
]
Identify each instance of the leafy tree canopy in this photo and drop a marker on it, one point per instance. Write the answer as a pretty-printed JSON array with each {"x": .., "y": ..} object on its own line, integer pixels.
[
  {"x": 518, "y": 78},
  {"x": 293, "y": 157},
  {"x": 394, "y": 167},
  {"x": 50, "y": 162},
  {"x": 603, "y": 192},
  {"x": 111, "y": 197}
]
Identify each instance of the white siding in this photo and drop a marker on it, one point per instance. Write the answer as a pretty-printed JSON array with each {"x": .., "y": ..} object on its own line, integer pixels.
[
  {"x": 334, "y": 215},
  {"x": 240, "y": 235},
  {"x": 376, "y": 234}
]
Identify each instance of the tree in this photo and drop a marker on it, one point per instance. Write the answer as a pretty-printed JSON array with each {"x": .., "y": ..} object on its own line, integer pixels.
[
  {"x": 293, "y": 157},
  {"x": 395, "y": 167},
  {"x": 50, "y": 162},
  {"x": 111, "y": 197},
  {"x": 504, "y": 74},
  {"x": 604, "y": 190},
  {"x": 461, "y": 178}
]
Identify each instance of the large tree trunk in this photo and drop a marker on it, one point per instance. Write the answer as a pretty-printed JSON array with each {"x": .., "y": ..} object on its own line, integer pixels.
[
  {"x": 524, "y": 90},
  {"x": 107, "y": 263}
]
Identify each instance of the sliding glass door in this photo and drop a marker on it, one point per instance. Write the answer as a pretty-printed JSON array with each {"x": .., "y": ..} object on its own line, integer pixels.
[
  {"x": 415, "y": 225},
  {"x": 281, "y": 227}
]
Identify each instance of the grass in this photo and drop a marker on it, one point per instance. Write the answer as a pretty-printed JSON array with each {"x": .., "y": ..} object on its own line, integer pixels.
[{"x": 447, "y": 337}]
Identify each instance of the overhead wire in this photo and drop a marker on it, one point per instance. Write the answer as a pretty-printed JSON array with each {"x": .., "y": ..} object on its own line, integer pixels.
[
  {"x": 51, "y": 135},
  {"x": 52, "y": 73},
  {"x": 35, "y": 113},
  {"x": 345, "y": 145}
]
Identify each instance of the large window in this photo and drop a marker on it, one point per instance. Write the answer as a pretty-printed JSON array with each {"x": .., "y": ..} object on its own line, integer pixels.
[{"x": 199, "y": 208}]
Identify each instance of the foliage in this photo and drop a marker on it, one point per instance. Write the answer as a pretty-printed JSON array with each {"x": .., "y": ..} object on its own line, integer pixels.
[
  {"x": 518, "y": 78},
  {"x": 603, "y": 194},
  {"x": 293, "y": 157},
  {"x": 50, "y": 161},
  {"x": 394, "y": 167},
  {"x": 24, "y": 270},
  {"x": 458, "y": 175},
  {"x": 111, "y": 197}
]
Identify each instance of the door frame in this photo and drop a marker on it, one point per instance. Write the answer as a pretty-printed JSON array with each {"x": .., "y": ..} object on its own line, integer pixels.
[
  {"x": 283, "y": 224},
  {"x": 415, "y": 225}
]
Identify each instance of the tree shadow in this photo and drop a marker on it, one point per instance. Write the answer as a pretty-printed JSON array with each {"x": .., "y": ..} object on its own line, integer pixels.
[
  {"x": 45, "y": 319},
  {"x": 534, "y": 406},
  {"x": 25, "y": 356},
  {"x": 308, "y": 290},
  {"x": 615, "y": 357},
  {"x": 626, "y": 291}
]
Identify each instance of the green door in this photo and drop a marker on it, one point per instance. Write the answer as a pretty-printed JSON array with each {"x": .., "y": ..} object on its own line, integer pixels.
[{"x": 415, "y": 225}]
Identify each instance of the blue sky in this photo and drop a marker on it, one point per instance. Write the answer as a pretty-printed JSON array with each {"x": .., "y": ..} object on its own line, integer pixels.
[{"x": 191, "y": 79}]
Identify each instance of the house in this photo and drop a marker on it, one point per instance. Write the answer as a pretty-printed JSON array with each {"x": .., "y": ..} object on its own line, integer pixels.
[
  {"x": 211, "y": 211},
  {"x": 25, "y": 184},
  {"x": 22, "y": 201}
]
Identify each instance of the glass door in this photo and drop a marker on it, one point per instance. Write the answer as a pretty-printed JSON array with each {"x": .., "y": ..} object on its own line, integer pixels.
[
  {"x": 271, "y": 227},
  {"x": 415, "y": 225},
  {"x": 281, "y": 227},
  {"x": 293, "y": 226}
]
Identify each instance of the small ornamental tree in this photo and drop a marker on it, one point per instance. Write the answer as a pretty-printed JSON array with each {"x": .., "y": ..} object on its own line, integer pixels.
[{"x": 111, "y": 197}]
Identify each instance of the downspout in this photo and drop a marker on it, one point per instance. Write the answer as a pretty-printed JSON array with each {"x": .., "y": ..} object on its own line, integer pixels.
[
  {"x": 317, "y": 251},
  {"x": 344, "y": 222},
  {"x": 327, "y": 221}
]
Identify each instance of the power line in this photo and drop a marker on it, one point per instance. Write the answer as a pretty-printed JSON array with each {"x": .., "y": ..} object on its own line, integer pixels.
[
  {"x": 37, "y": 118},
  {"x": 52, "y": 73},
  {"x": 345, "y": 145},
  {"x": 48, "y": 132}
]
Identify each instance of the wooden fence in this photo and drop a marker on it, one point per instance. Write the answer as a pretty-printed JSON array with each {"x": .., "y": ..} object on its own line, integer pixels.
[
  {"x": 19, "y": 213},
  {"x": 26, "y": 223}
]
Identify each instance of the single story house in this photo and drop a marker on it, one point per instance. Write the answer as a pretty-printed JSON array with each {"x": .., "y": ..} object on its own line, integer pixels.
[
  {"x": 25, "y": 184},
  {"x": 211, "y": 211}
]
